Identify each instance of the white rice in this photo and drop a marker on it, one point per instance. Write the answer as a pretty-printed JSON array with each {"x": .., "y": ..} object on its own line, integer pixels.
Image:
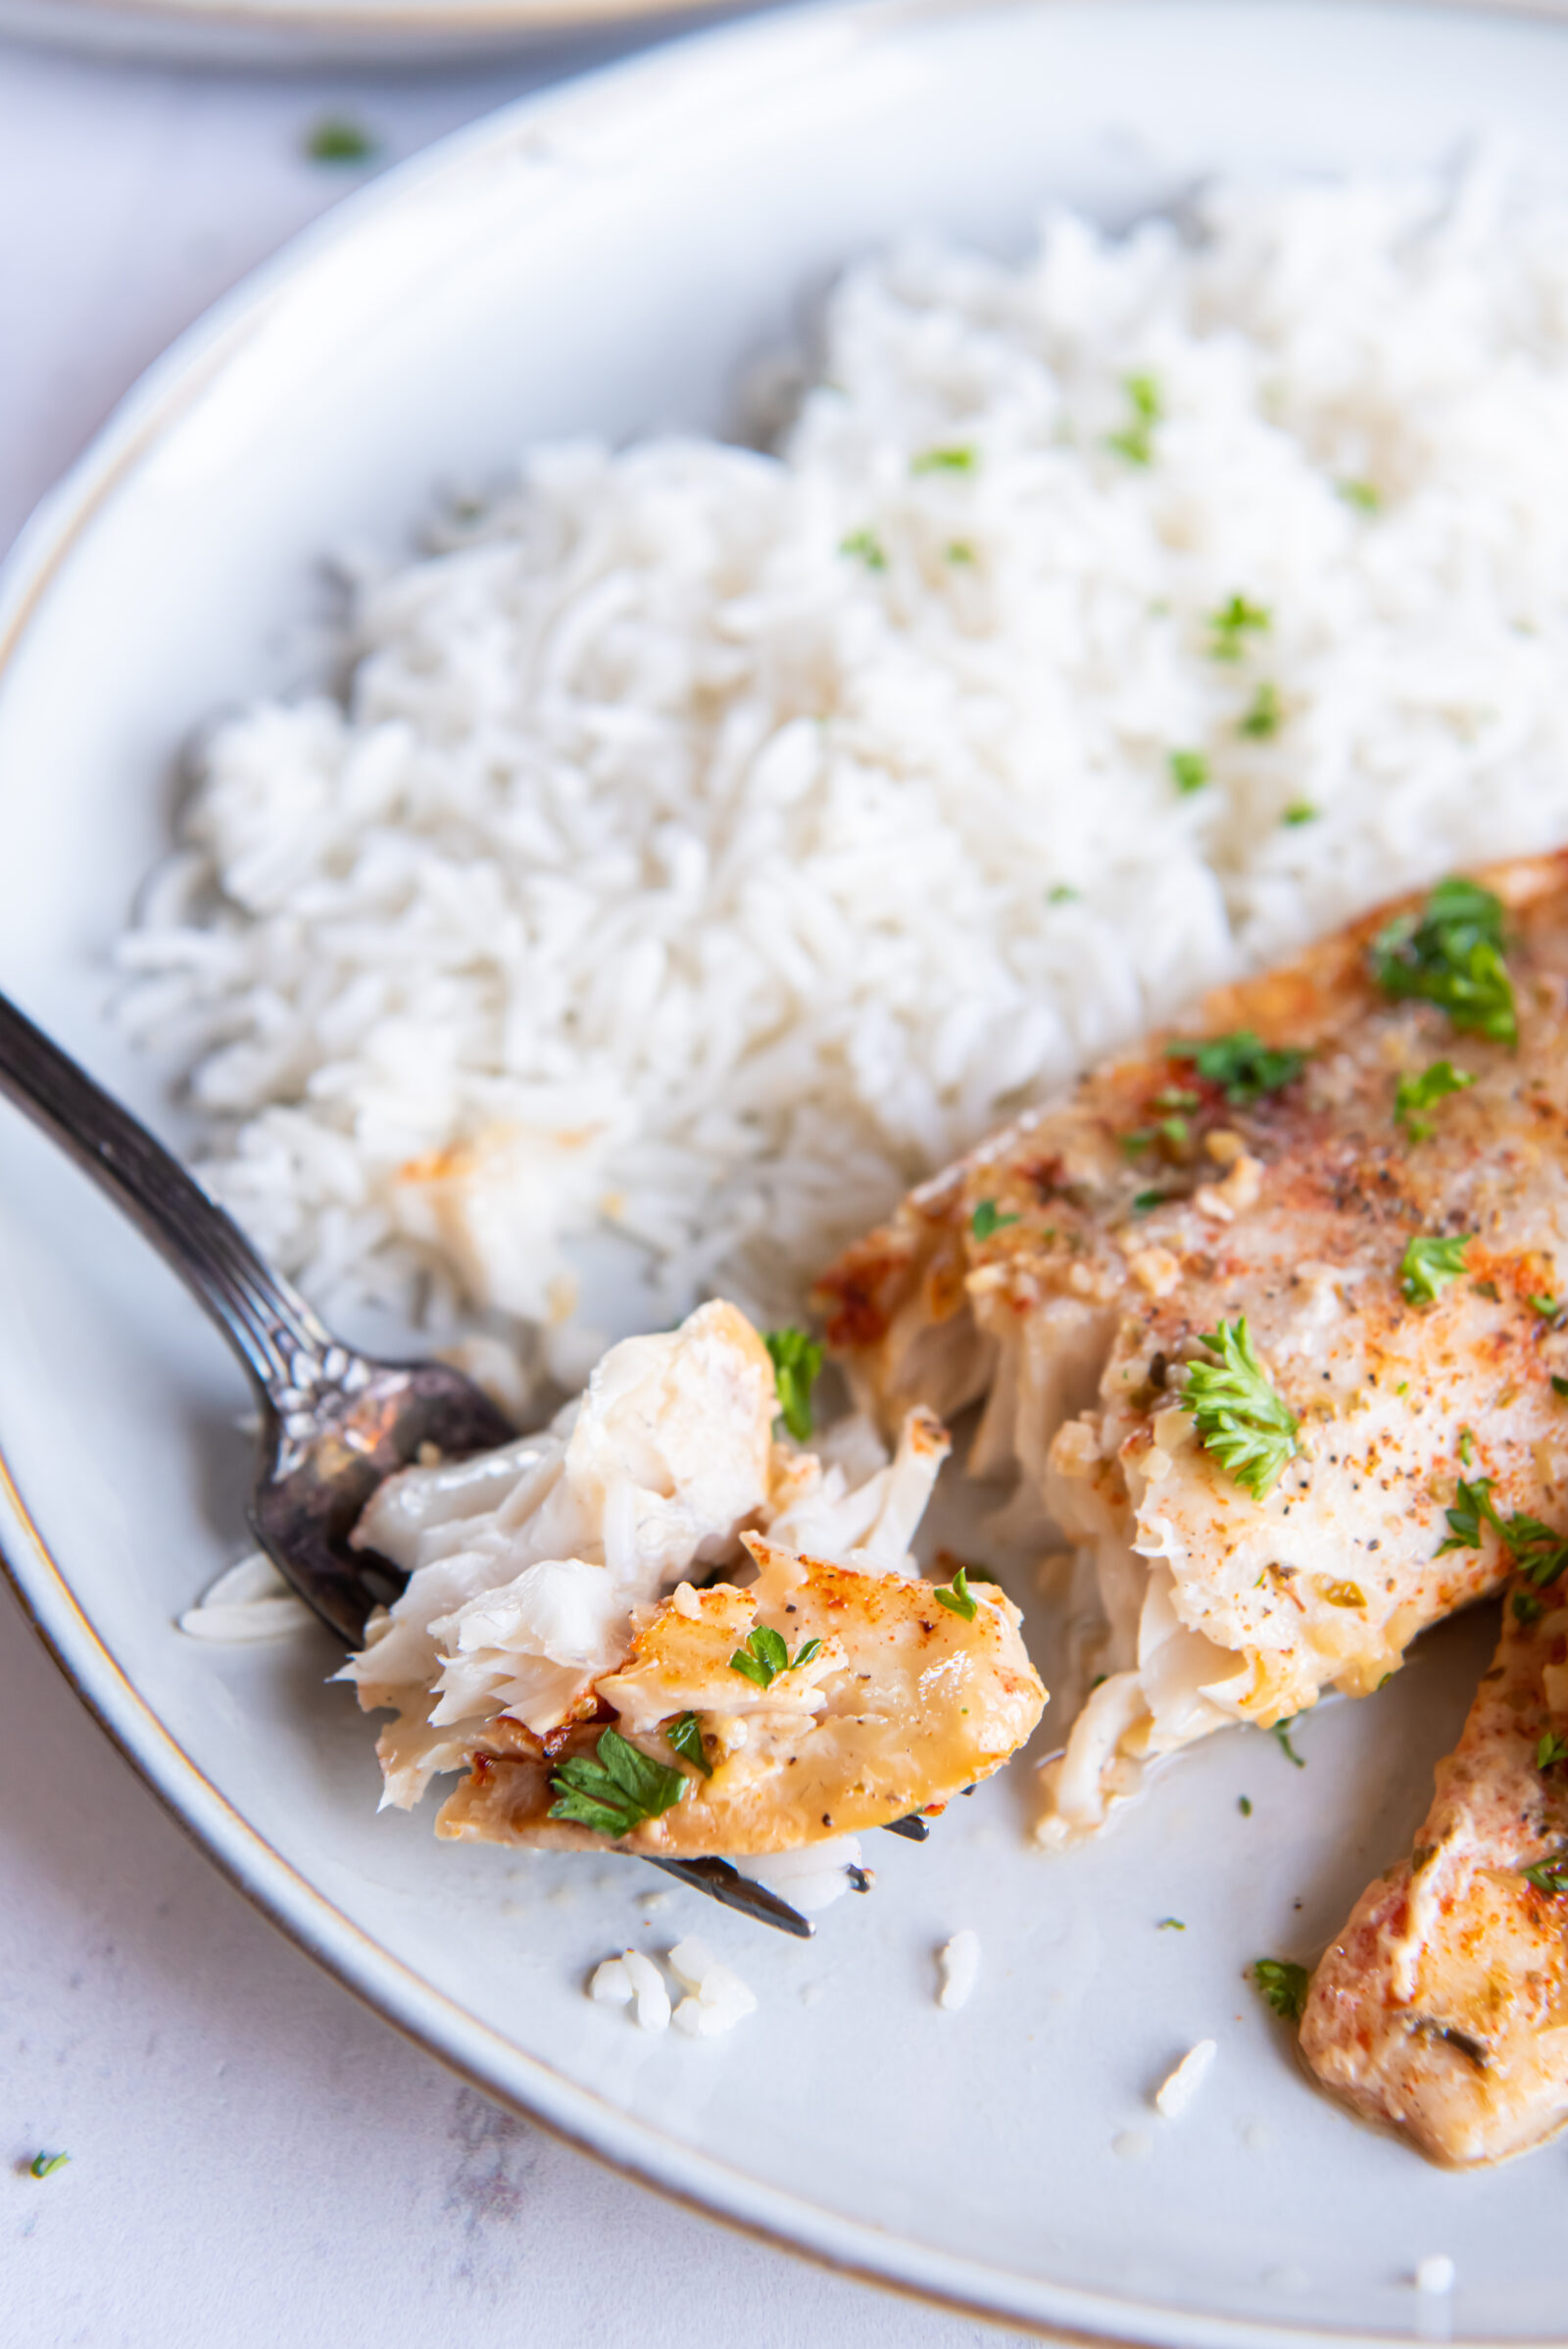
[
  {"x": 715, "y": 1999},
  {"x": 959, "y": 1961},
  {"x": 702, "y": 881},
  {"x": 1176, "y": 2093},
  {"x": 248, "y": 1602}
]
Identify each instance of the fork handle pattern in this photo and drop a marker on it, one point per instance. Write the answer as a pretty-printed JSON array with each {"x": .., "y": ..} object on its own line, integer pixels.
[{"x": 274, "y": 1331}]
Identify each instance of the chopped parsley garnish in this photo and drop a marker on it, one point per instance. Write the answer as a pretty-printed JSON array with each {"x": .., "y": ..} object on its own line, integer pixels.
[
  {"x": 1551, "y": 1750},
  {"x": 1170, "y": 1925},
  {"x": 1062, "y": 893},
  {"x": 1280, "y": 1732},
  {"x": 1429, "y": 1264},
  {"x": 1548, "y": 1876},
  {"x": 1471, "y": 1510},
  {"x": 866, "y": 548},
  {"x": 1548, "y": 1307},
  {"x": 1136, "y": 440},
  {"x": 335, "y": 139},
  {"x": 1283, "y": 1985},
  {"x": 1243, "y": 1803},
  {"x": 985, "y": 1220},
  {"x": 1239, "y": 1417},
  {"x": 1230, "y": 626},
  {"x": 958, "y": 550},
  {"x": 797, "y": 1359},
  {"x": 1264, "y": 716},
  {"x": 1240, "y": 1062},
  {"x": 1412, "y": 1095},
  {"x": 1361, "y": 495},
  {"x": 616, "y": 1792},
  {"x": 1527, "y": 1609},
  {"x": 1450, "y": 954},
  {"x": 44, "y": 2165},
  {"x": 1539, "y": 1554},
  {"x": 1559, "y": 1386},
  {"x": 1299, "y": 812},
  {"x": 685, "y": 1734},
  {"x": 1189, "y": 771},
  {"x": 1466, "y": 1447},
  {"x": 957, "y": 1597},
  {"x": 945, "y": 460},
  {"x": 1148, "y": 1200},
  {"x": 765, "y": 1656}
]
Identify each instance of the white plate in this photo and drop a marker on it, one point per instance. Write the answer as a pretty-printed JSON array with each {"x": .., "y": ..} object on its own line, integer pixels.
[
  {"x": 326, "y": 32},
  {"x": 608, "y": 256}
]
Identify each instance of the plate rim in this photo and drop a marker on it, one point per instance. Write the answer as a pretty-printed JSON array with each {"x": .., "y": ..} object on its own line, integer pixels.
[{"x": 622, "y": 2141}]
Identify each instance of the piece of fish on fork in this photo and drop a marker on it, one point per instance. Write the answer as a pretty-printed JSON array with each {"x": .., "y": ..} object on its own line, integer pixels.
[{"x": 1246, "y": 1305}]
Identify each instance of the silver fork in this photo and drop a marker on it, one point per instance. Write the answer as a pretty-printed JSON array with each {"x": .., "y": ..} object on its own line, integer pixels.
[{"x": 334, "y": 1424}]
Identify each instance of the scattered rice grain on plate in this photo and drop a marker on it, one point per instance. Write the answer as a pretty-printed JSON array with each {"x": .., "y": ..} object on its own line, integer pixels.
[
  {"x": 959, "y": 1961},
  {"x": 717, "y": 1997},
  {"x": 1176, "y": 2093},
  {"x": 631, "y": 1978},
  {"x": 714, "y": 842},
  {"x": 248, "y": 1602}
]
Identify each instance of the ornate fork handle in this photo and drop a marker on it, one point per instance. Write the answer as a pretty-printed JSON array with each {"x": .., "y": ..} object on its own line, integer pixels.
[{"x": 274, "y": 1331}]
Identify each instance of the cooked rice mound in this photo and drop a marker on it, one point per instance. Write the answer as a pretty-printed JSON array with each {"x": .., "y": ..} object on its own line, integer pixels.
[{"x": 712, "y": 842}]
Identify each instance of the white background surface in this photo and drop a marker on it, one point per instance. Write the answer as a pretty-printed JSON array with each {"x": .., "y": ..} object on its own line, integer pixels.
[{"x": 257, "y": 2163}]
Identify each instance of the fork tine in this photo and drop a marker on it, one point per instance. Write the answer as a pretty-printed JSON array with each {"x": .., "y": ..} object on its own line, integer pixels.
[{"x": 727, "y": 1885}]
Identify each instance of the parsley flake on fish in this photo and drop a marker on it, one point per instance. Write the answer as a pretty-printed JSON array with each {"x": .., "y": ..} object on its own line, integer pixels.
[
  {"x": 1283, "y": 1985},
  {"x": 765, "y": 1656},
  {"x": 618, "y": 1790},
  {"x": 1361, "y": 495},
  {"x": 985, "y": 1220},
  {"x": 685, "y": 1735},
  {"x": 1412, "y": 1095},
  {"x": 44, "y": 2165},
  {"x": 945, "y": 460},
  {"x": 1450, "y": 954},
  {"x": 1471, "y": 1510},
  {"x": 797, "y": 1360},
  {"x": 1242, "y": 1063},
  {"x": 1551, "y": 1750},
  {"x": 1429, "y": 1264},
  {"x": 1239, "y": 1416},
  {"x": 1548, "y": 1876},
  {"x": 957, "y": 1597}
]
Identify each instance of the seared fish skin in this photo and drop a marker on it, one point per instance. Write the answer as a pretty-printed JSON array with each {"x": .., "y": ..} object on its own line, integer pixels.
[
  {"x": 1068, "y": 1270},
  {"x": 1443, "y": 2008}
]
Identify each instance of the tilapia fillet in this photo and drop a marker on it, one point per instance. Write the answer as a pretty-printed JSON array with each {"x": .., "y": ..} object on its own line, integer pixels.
[
  {"x": 1443, "y": 2008},
  {"x": 1066, "y": 1273}
]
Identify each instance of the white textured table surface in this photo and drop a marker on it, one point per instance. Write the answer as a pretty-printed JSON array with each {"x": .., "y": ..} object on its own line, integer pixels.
[{"x": 256, "y": 2162}]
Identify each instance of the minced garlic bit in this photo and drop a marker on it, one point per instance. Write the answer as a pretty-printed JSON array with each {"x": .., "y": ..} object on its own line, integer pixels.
[
  {"x": 1176, "y": 2093},
  {"x": 959, "y": 1961}
]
